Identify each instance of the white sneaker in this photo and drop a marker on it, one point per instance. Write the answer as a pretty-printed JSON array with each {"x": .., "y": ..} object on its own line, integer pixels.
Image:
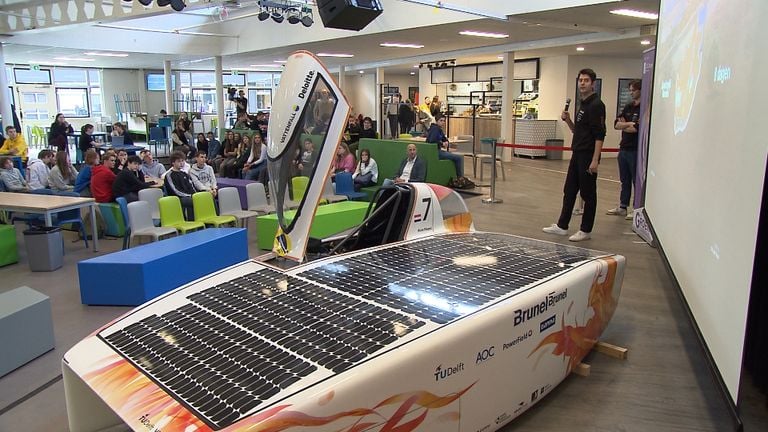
[
  {"x": 554, "y": 229},
  {"x": 578, "y": 211},
  {"x": 629, "y": 216},
  {"x": 618, "y": 211},
  {"x": 579, "y": 236}
]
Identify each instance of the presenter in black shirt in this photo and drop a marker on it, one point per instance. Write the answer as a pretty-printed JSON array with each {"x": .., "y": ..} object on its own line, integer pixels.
[
  {"x": 588, "y": 136},
  {"x": 627, "y": 123}
]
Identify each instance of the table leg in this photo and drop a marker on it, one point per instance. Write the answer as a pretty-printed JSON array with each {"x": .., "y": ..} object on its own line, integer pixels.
[
  {"x": 94, "y": 228},
  {"x": 48, "y": 220}
]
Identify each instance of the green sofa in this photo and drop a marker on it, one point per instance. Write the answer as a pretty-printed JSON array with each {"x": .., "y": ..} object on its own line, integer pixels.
[{"x": 388, "y": 155}]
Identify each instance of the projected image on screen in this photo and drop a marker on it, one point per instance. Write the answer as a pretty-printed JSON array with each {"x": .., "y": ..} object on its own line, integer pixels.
[{"x": 706, "y": 164}]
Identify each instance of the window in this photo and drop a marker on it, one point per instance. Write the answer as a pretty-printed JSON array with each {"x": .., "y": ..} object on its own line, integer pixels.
[
  {"x": 72, "y": 102},
  {"x": 204, "y": 100},
  {"x": 35, "y": 114},
  {"x": 203, "y": 79},
  {"x": 233, "y": 80},
  {"x": 260, "y": 79},
  {"x": 96, "y": 102},
  {"x": 34, "y": 98},
  {"x": 156, "y": 81},
  {"x": 259, "y": 99},
  {"x": 94, "y": 77},
  {"x": 9, "y": 75},
  {"x": 29, "y": 76},
  {"x": 70, "y": 77}
]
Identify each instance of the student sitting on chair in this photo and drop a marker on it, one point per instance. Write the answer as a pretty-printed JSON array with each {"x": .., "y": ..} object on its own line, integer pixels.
[
  {"x": 12, "y": 177},
  {"x": 102, "y": 179},
  {"x": 83, "y": 181},
  {"x": 202, "y": 175},
  {"x": 63, "y": 175},
  {"x": 14, "y": 144},
  {"x": 39, "y": 168},
  {"x": 130, "y": 180},
  {"x": 180, "y": 184}
]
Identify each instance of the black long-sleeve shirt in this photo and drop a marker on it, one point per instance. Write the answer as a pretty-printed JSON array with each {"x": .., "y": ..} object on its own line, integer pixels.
[
  {"x": 127, "y": 181},
  {"x": 179, "y": 183},
  {"x": 589, "y": 125}
]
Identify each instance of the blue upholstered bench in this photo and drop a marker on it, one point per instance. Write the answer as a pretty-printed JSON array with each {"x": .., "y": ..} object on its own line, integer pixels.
[{"x": 134, "y": 276}]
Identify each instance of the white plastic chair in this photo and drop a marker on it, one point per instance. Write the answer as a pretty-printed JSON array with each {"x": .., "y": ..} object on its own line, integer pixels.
[
  {"x": 229, "y": 205},
  {"x": 151, "y": 196},
  {"x": 140, "y": 218},
  {"x": 330, "y": 194},
  {"x": 257, "y": 199},
  {"x": 289, "y": 203}
]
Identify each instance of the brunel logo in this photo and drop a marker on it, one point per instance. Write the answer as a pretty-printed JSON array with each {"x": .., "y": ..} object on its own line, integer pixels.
[
  {"x": 441, "y": 373},
  {"x": 485, "y": 354},
  {"x": 523, "y": 315}
]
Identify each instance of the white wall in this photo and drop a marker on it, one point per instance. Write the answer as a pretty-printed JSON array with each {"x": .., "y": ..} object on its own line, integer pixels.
[
  {"x": 120, "y": 82},
  {"x": 553, "y": 83},
  {"x": 360, "y": 90}
]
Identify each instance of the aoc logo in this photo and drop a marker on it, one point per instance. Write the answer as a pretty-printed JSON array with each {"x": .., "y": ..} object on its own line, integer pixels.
[
  {"x": 523, "y": 315},
  {"x": 485, "y": 354},
  {"x": 441, "y": 374}
]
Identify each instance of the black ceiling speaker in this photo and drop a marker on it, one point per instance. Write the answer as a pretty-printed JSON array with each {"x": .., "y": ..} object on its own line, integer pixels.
[{"x": 348, "y": 14}]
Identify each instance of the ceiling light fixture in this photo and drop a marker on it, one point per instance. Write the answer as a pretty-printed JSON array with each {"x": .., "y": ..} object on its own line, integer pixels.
[
  {"x": 484, "y": 34},
  {"x": 635, "y": 14},
  {"x": 277, "y": 16},
  {"x": 413, "y": 73},
  {"x": 335, "y": 55},
  {"x": 265, "y": 66},
  {"x": 105, "y": 54},
  {"x": 362, "y": 72},
  {"x": 579, "y": 48},
  {"x": 263, "y": 15},
  {"x": 294, "y": 16},
  {"x": 399, "y": 45},
  {"x": 74, "y": 59},
  {"x": 416, "y": 66},
  {"x": 645, "y": 42},
  {"x": 280, "y": 61}
]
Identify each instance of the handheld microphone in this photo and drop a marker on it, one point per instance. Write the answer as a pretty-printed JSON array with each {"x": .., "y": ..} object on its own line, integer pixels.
[{"x": 567, "y": 104}]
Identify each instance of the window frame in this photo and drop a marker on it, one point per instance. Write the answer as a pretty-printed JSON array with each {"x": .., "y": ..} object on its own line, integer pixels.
[{"x": 86, "y": 93}]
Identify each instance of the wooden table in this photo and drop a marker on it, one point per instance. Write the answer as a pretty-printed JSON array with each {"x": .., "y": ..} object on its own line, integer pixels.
[{"x": 47, "y": 205}]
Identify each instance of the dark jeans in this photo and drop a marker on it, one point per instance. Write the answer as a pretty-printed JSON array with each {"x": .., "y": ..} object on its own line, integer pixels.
[
  {"x": 627, "y": 169},
  {"x": 393, "y": 125},
  {"x": 405, "y": 125},
  {"x": 579, "y": 181},
  {"x": 458, "y": 160}
]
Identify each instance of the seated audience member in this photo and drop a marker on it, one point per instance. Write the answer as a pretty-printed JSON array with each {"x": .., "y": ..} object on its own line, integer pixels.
[
  {"x": 257, "y": 160},
  {"x": 201, "y": 144},
  {"x": 39, "y": 168},
  {"x": 306, "y": 160},
  {"x": 178, "y": 183},
  {"x": 122, "y": 161},
  {"x": 83, "y": 181},
  {"x": 63, "y": 175},
  {"x": 102, "y": 179},
  {"x": 344, "y": 161},
  {"x": 352, "y": 133},
  {"x": 129, "y": 180},
  {"x": 367, "y": 131},
  {"x": 367, "y": 172},
  {"x": 179, "y": 138},
  {"x": 214, "y": 149},
  {"x": 202, "y": 174},
  {"x": 227, "y": 146},
  {"x": 14, "y": 144},
  {"x": 86, "y": 141},
  {"x": 412, "y": 169},
  {"x": 242, "y": 121},
  {"x": 242, "y": 158},
  {"x": 232, "y": 151},
  {"x": 118, "y": 129},
  {"x": 12, "y": 177},
  {"x": 436, "y": 136},
  {"x": 151, "y": 167}
]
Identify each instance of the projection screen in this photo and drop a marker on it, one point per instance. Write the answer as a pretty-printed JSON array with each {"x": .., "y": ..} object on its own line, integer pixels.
[{"x": 707, "y": 159}]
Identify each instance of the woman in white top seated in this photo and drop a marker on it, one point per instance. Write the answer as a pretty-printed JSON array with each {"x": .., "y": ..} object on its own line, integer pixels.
[
  {"x": 63, "y": 175},
  {"x": 367, "y": 172}
]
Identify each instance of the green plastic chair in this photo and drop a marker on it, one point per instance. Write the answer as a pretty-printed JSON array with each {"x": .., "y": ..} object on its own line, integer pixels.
[
  {"x": 300, "y": 185},
  {"x": 205, "y": 212},
  {"x": 171, "y": 215}
]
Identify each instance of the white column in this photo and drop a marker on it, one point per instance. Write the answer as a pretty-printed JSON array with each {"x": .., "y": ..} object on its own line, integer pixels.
[
  {"x": 219, "y": 94},
  {"x": 426, "y": 88},
  {"x": 379, "y": 115},
  {"x": 507, "y": 102},
  {"x": 5, "y": 104},
  {"x": 168, "y": 88},
  {"x": 143, "y": 104}
]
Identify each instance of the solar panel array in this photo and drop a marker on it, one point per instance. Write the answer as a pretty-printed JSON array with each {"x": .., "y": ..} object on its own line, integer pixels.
[{"x": 239, "y": 343}]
